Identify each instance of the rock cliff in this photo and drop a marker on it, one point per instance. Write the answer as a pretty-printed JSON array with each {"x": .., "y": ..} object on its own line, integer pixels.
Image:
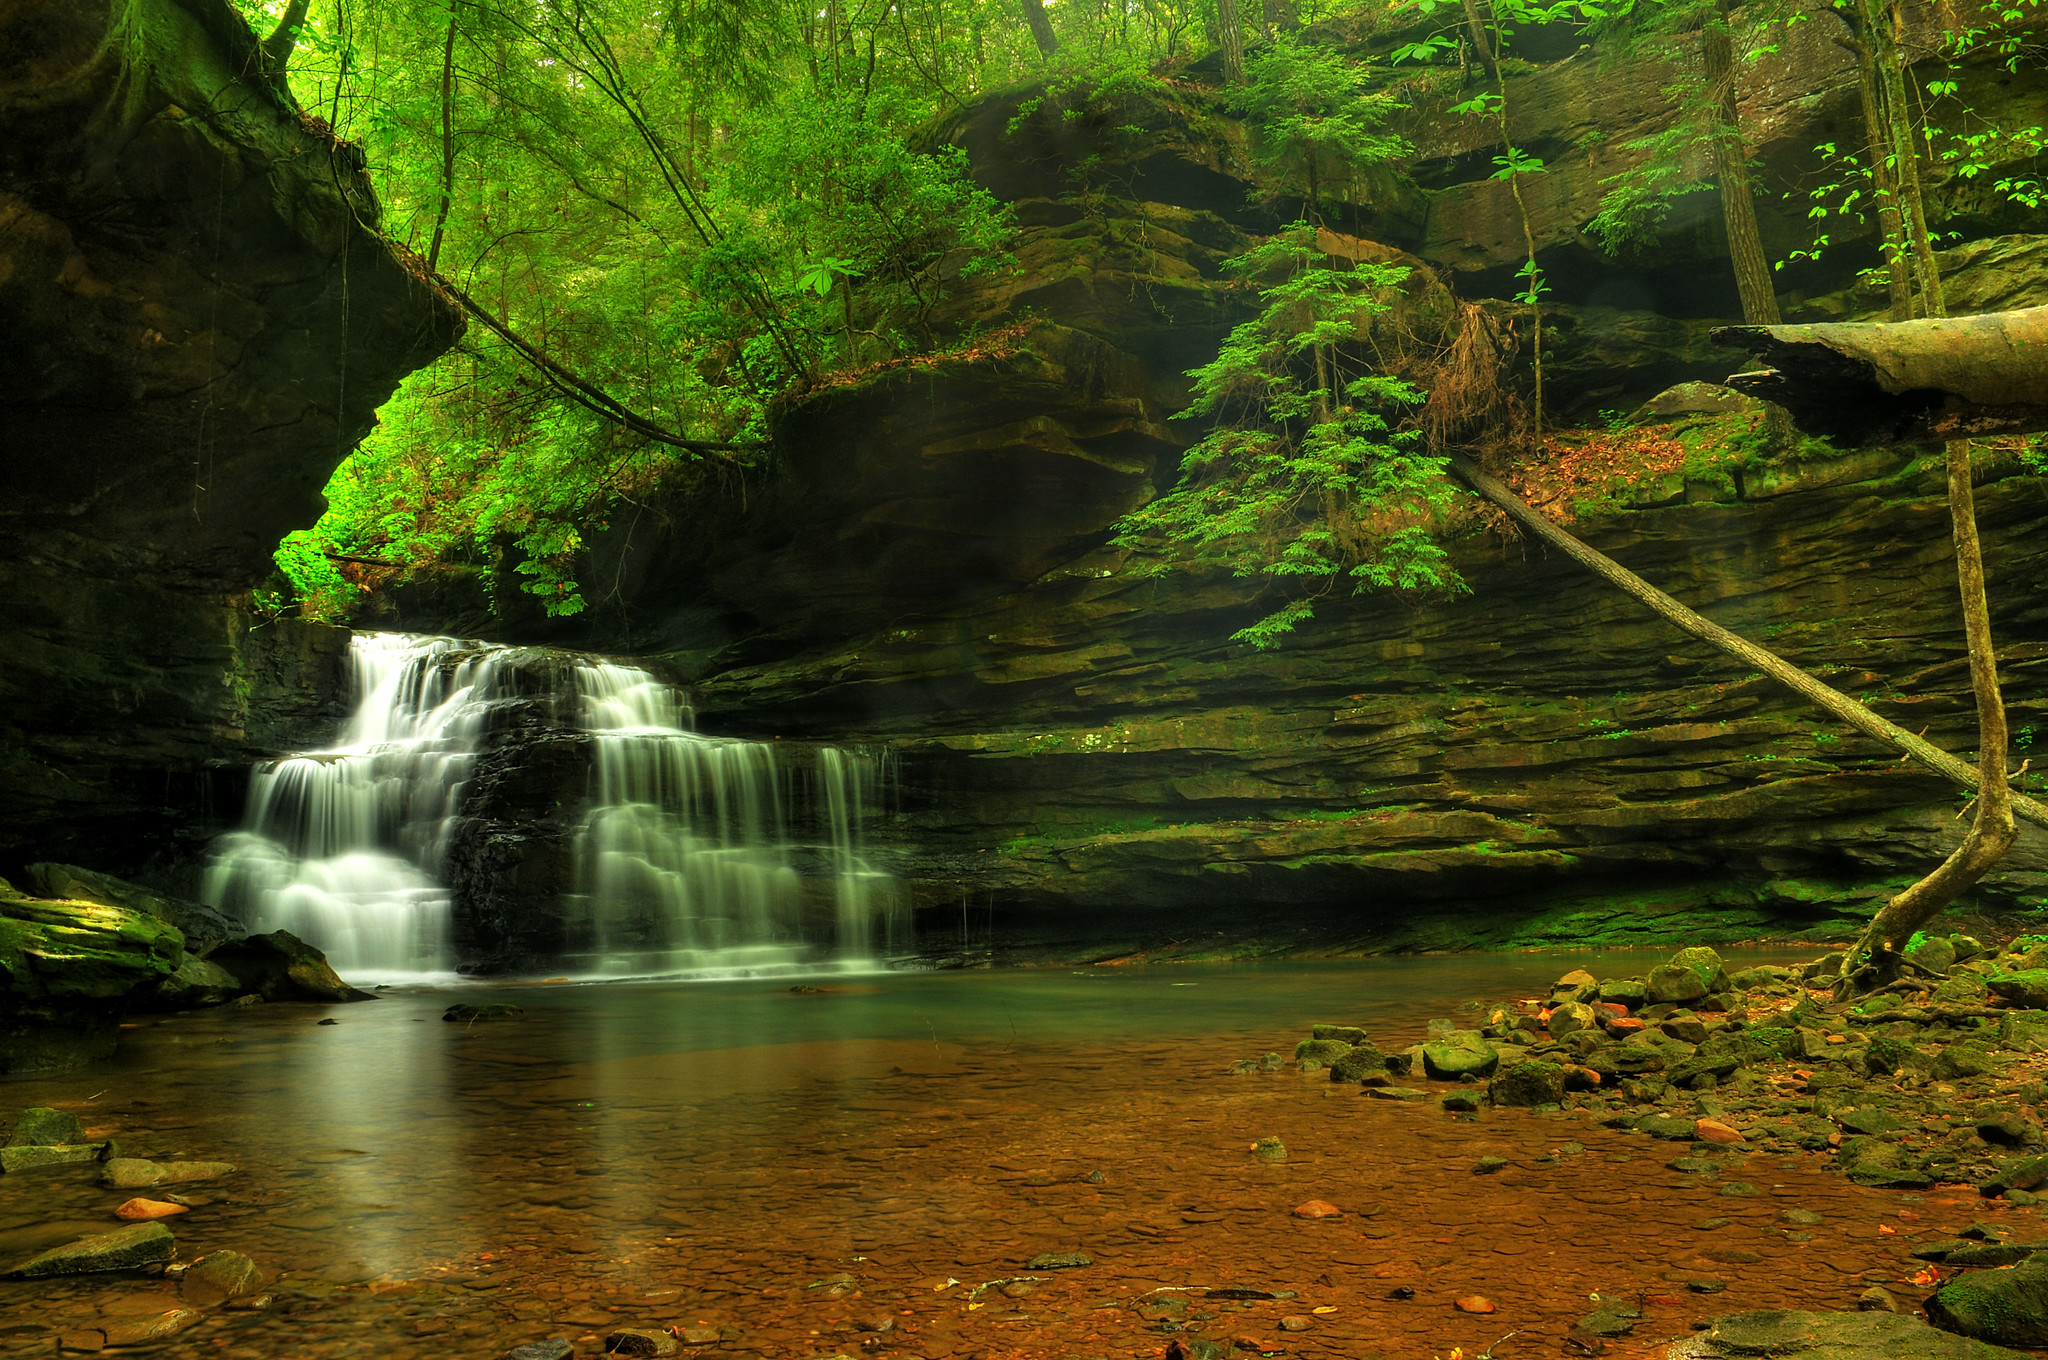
[
  {"x": 198, "y": 319},
  {"x": 1084, "y": 753}
]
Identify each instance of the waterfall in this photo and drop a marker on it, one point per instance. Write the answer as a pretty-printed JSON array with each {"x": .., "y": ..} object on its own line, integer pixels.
[
  {"x": 692, "y": 852},
  {"x": 689, "y": 856}
]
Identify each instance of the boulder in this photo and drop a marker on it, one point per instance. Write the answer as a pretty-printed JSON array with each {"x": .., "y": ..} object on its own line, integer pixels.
[
  {"x": 1669, "y": 982},
  {"x": 2008, "y": 1307},
  {"x": 68, "y": 970},
  {"x": 28, "y": 1158},
  {"x": 2027, "y": 987},
  {"x": 1624, "y": 992},
  {"x": 197, "y": 982},
  {"x": 1528, "y": 1084},
  {"x": 129, "y": 1248},
  {"x": 1936, "y": 954},
  {"x": 1350, "y": 1034},
  {"x": 282, "y": 967}
]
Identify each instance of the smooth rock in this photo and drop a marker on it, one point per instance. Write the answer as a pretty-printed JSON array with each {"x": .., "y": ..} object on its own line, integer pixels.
[
  {"x": 2027, "y": 987},
  {"x": 1474, "y": 1303},
  {"x": 1350, "y": 1034},
  {"x": 1877, "y": 1299},
  {"x": 141, "y": 1331},
  {"x": 1396, "y": 1093},
  {"x": 554, "y": 1348},
  {"x": 1296, "y": 1322},
  {"x": 1714, "y": 1131},
  {"x": 129, "y": 1248},
  {"x": 133, "y": 1173},
  {"x": 142, "y": 1210},
  {"x": 1571, "y": 1016},
  {"x": 1461, "y": 1053},
  {"x": 1317, "y": 1208},
  {"x": 217, "y": 1277}
]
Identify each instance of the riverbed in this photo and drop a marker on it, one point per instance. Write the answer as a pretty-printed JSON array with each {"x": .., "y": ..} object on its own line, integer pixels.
[{"x": 867, "y": 1166}]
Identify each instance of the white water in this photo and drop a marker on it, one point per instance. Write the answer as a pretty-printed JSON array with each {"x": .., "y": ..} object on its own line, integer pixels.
[{"x": 686, "y": 857}]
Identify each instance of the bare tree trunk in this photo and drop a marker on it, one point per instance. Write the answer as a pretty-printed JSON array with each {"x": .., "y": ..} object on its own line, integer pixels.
[
  {"x": 1891, "y": 227},
  {"x": 1992, "y": 831},
  {"x": 1830, "y": 700},
  {"x": 447, "y": 143},
  {"x": 1731, "y": 169},
  {"x": 1898, "y": 117},
  {"x": 1230, "y": 37},
  {"x": 1041, "y": 28}
]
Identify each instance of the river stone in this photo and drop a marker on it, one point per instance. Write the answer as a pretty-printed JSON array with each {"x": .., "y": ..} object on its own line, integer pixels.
[
  {"x": 154, "y": 1327},
  {"x": 282, "y": 967},
  {"x": 217, "y": 1277},
  {"x": 1887, "y": 1055},
  {"x": 1986, "y": 1255},
  {"x": 1671, "y": 983},
  {"x": 133, "y": 1173},
  {"x": 1839, "y": 1336},
  {"x": 41, "y": 1126},
  {"x": 2009, "y": 1307},
  {"x": 495, "y": 1010},
  {"x": 1461, "y": 1053},
  {"x": 2030, "y": 1174},
  {"x": 1060, "y": 1260},
  {"x": 1624, "y": 992},
  {"x": 2025, "y": 1031},
  {"x": 1571, "y": 1016},
  {"x": 1396, "y": 1093},
  {"x": 28, "y": 1158},
  {"x": 554, "y": 1348},
  {"x": 1364, "y": 1060},
  {"x": 203, "y": 927},
  {"x": 1869, "y": 1120},
  {"x": 1350, "y": 1034},
  {"x": 1528, "y": 1084},
  {"x": 640, "y": 1341},
  {"x": 2027, "y": 988},
  {"x": 1666, "y": 1126},
  {"x": 129, "y": 1248}
]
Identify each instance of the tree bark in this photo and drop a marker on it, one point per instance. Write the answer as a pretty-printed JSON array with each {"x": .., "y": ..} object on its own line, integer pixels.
[
  {"x": 1896, "y": 110},
  {"x": 1884, "y": 184},
  {"x": 1904, "y": 381},
  {"x": 447, "y": 143},
  {"x": 1041, "y": 28},
  {"x": 277, "y": 48},
  {"x": 1230, "y": 38},
  {"x": 1731, "y": 170},
  {"x": 1830, "y": 700},
  {"x": 1992, "y": 831}
]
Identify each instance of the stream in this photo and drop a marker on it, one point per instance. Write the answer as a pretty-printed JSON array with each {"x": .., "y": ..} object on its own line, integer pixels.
[{"x": 866, "y": 1165}]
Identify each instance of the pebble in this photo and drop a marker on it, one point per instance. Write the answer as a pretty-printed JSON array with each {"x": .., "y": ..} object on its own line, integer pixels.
[
  {"x": 1714, "y": 1131},
  {"x": 640, "y": 1341},
  {"x": 148, "y": 1208},
  {"x": 1296, "y": 1322},
  {"x": 1474, "y": 1303},
  {"x": 1317, "y": 1208},
  {"x": 1877, "y": 1299},
  {"x": 144, "y": 1330},
  {"x": 1060, "y": 1260},
  {"x": 1488, "y": 1165},
  {"x": 133, "y": 1173}
]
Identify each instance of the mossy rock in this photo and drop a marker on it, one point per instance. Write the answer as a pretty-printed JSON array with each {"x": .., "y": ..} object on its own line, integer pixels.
[
  {"x": 2027, "y": 987},
  {"x": 1320, "y": 1051},
  {"x": 1528, "y": 1084},
  {"x": 1364, "y": 1060},
  {"x": 2006, "y": 1307},
  {"x": 1964, "y": 1060},
  {"x": 1460, "y": 1054}
]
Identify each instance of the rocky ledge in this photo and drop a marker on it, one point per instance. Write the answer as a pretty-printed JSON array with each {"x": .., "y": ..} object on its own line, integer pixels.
[{"x": 86, "y": 949}]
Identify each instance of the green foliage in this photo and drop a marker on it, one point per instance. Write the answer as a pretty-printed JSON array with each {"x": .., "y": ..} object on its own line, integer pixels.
[
  {"x": 1302, "y": 477},
  {"x": 1315, "y": 112}
]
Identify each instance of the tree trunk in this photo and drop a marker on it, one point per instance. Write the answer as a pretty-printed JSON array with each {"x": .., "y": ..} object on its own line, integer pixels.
[
  {"x": 447, "y": 143},
  {"x": 1731, "y": 169},
  {"x": 1832, "y": 701},
  {"x": 1891, "y": 227},
  {"x": 1230, "y": 37},
  {"x": 1904, "y": 381},
  {"x": 1897, "y": 112},
  {"x": 277, "y": 48},
  {"x": 1041, "y": 28},
  {"x": 1992, "y": 831}
]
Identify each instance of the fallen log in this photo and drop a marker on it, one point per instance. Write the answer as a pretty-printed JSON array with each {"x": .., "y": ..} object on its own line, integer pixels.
[{"x": 1881, "y": 382}]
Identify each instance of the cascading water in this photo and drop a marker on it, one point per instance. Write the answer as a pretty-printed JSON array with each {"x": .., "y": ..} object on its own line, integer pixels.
[
  {"x": 343, "y": 847},
  {"x": 688, "y": 855},
  {"x": 693, "y": 853}
]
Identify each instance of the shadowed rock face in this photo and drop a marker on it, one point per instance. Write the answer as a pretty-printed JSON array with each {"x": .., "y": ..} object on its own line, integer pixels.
[{"x": 198, "y": 319}]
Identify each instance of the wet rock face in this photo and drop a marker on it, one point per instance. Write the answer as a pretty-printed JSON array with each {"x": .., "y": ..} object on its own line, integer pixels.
[{"x": 195, "y": 325}]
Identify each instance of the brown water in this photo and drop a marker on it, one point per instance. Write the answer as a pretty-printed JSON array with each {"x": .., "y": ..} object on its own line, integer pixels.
[{"x": 704, "y": 1155}]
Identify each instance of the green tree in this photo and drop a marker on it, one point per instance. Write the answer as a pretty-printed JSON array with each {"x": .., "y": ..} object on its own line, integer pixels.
[
  {"x": 1302, "y": 476},
  {"x": 1316, "y": 115}
]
